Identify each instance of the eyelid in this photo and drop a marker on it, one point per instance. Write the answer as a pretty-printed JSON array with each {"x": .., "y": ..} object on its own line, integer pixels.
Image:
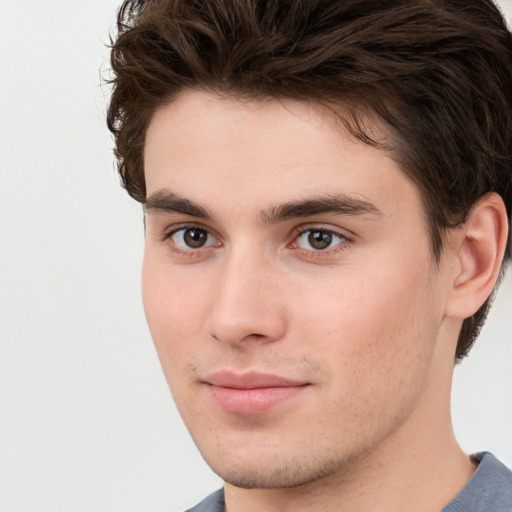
[
  {"x": 174, "y": 228},
  {"x": 321, "y": 226},
  {"x": 347, "y": 238},
  {"x": 190, "y": 252}
]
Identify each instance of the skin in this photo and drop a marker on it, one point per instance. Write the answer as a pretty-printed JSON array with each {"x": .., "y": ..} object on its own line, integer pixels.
[{"x": 369, "y": 324}]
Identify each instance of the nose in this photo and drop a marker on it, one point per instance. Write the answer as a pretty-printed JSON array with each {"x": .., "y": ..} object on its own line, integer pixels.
[{"x": 246, "y": 307}]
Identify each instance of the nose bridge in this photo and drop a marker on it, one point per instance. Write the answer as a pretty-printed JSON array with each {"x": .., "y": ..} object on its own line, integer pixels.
[{"x": 246, "y": 305}]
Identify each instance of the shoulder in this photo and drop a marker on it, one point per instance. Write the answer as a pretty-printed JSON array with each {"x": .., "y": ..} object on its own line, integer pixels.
[
  {"x": 490, "y": 488},
  {"x": 213, "y": 503}
]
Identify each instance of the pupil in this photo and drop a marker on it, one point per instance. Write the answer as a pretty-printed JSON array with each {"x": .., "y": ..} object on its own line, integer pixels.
[
  {"x": 195, "y": 238},
  {"x": 320, "y": 239}
]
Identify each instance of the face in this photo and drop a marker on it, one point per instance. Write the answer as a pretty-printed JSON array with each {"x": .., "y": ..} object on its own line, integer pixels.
[{"x": 289, "y": 288}]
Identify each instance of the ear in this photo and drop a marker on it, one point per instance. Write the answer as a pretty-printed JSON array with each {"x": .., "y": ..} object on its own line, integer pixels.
[{"x": 479, "y": 248}]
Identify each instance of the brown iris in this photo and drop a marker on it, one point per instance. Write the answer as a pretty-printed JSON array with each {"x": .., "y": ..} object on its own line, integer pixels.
[
  {"x": 320, "y": 239},
  {"x": 195, "y": 238}
]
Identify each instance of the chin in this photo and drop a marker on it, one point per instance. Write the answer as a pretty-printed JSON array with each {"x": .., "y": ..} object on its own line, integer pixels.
[{"x": 274, "y": 474}]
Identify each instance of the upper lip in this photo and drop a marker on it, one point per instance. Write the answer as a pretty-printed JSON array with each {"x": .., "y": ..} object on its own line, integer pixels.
[{"x": 250, "y": 380}]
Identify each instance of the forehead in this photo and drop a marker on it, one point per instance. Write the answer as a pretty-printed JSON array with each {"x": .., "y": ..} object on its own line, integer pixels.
[{"x": 256, "y": 153}]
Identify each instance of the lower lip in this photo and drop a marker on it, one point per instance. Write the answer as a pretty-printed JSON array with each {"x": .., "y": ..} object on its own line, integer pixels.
[{"x": 249, "y": 402}]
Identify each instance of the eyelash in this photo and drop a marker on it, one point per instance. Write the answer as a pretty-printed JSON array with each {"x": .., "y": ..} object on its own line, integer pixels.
[
  {"x": 190, "y": 252},
  {"x": 344, "y": 241}
]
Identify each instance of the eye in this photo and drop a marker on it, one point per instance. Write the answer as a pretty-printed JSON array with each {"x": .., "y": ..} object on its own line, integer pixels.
[
  {"x": 191, "y": 238},
  {"x": 319, "y": 239}
]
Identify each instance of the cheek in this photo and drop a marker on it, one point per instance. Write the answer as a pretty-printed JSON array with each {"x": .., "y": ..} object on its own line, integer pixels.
[
  {"x": 374, "y": 339},
  {"x": 174, "y": 303},
  {"x": 175, "y": 319},
  {"x": 379, "y": 323}
]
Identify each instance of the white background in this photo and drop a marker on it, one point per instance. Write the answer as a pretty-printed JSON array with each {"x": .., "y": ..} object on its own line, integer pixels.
[{"x": 86, "y": 421}]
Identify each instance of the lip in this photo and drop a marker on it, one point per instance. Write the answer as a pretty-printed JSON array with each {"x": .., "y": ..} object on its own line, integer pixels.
[{"x": 251, "y": 393}]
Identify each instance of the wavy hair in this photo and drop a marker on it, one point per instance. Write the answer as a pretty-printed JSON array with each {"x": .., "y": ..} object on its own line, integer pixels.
[{"x": 436, "y": 73}]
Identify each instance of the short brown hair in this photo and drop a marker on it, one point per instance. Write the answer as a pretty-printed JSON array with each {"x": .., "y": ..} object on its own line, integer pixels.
[{"x": 436, "y": 73}]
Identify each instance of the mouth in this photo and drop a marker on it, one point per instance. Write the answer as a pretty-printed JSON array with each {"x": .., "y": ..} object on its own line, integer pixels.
[{"x": 251, "y": 393}]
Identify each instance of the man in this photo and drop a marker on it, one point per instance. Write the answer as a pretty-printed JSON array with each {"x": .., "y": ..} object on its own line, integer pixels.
[{"x": 327, "y": 189}]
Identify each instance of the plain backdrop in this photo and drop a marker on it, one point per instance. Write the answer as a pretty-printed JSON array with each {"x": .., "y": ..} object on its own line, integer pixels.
[{"x": 86, "y": 420}]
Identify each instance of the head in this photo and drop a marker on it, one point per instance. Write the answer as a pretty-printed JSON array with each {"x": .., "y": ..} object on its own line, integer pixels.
[
  {"x": 437, "y": 76},
  {"x": 248, "y": 130}
]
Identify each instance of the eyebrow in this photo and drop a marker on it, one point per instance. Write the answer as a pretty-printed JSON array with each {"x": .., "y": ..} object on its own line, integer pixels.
[
  {"x": 165, "y": 201},
  {"x": 340, "y": 204}
]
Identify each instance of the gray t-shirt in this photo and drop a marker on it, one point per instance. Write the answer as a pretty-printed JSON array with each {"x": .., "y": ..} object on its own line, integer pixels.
[{"x": 489, "y": 490}]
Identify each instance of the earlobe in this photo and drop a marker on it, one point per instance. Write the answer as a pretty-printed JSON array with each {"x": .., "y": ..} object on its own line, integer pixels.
[{"x": 480, "y": 249}]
